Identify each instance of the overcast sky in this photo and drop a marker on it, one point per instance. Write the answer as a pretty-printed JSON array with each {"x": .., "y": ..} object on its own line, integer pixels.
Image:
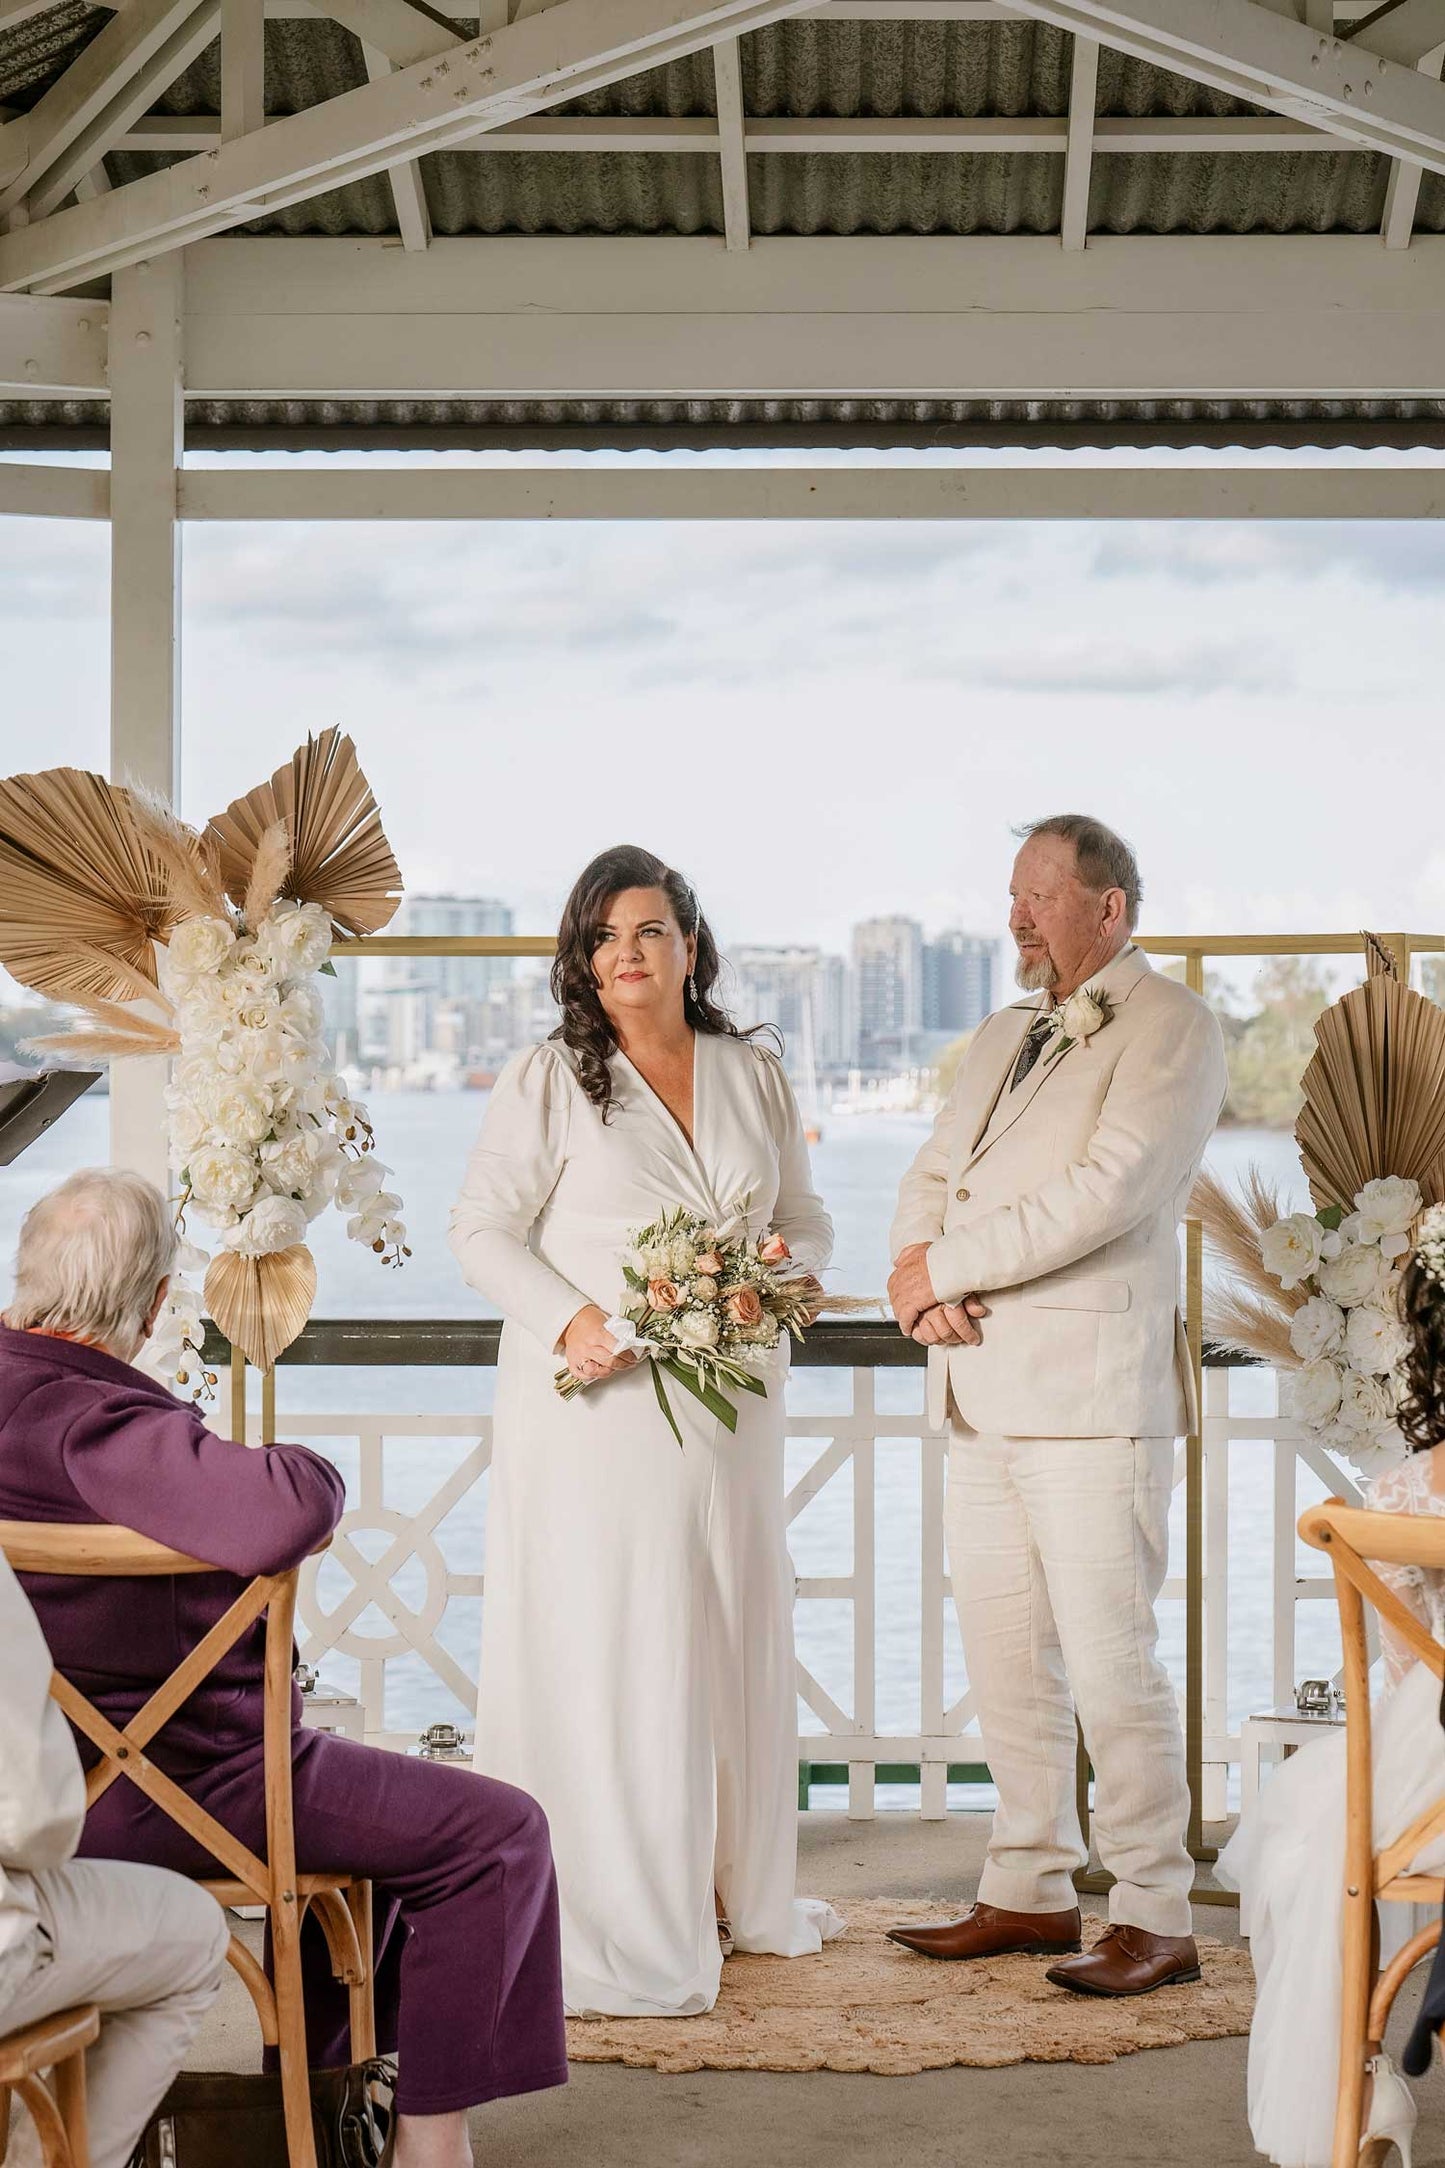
[{"x": 815, "y": 722}]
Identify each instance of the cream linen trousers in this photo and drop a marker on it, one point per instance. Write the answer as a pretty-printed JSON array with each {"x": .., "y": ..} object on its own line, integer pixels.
[
  {"x": 1058, "y": 1549},
  {"x": 150, "y": 1949}
]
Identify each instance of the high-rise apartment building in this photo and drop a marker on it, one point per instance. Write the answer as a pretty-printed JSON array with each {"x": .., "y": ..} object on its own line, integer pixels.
[
  {"x": 888, "y": 982},
  {"x": 959, "y": 979},
  {"x": 805, "y": 994},
  {"x": 418, "y": 987}
]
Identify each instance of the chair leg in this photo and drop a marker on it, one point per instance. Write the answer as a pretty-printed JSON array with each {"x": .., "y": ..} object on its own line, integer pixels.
[
  {"x": 363, "y": 1992},
  {"x": 71, "y": 2101},
  {"x": 54, "y": 2145},
  {"x": 1357, "y": 1984},
  {"x": 291, "y": 2034}
]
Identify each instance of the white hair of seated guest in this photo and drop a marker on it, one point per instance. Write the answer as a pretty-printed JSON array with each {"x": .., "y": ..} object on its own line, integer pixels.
[{"x": 94, "y": 1254}]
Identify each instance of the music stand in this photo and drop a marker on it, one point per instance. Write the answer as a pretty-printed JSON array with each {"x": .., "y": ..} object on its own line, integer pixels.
[{"x": 32, "y": 1100}]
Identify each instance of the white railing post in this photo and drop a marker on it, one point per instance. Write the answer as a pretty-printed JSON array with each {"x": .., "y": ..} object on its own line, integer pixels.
[
  {"x": 861, "y": 1774},
  {"x": 1214, "y": 1771},
  {"x": 146, "y": 437}
]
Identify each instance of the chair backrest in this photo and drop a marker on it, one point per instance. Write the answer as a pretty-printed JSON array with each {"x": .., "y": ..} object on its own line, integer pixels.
[
  {"x": 1352, "y": 1537},
  {"x": 85, "y": 1550}
]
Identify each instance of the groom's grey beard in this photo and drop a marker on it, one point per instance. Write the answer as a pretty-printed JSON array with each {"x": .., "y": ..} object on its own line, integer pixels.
[{"x": 1036, "y": 978}]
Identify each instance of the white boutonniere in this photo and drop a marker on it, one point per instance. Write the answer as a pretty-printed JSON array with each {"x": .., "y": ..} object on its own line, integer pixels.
[{"x": 1076, "y": 1020}]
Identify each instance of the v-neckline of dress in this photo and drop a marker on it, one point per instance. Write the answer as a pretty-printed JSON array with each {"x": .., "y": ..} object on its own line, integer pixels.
[{"x": 688, "y": 1143}]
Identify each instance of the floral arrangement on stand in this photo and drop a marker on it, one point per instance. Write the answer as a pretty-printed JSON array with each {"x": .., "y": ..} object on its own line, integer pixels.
[
  {"x": 210, "y": 946},
  {"x": 1316, "y": 1294},
  {"x": 702, "y": 1306}
]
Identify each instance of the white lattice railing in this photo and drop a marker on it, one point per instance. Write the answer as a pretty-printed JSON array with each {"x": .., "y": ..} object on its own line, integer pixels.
[{"x": 397, "y": 1592}]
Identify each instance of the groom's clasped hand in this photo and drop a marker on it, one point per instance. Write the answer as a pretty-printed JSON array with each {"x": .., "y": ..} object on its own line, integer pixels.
[{"x": 920, "y": 1314}]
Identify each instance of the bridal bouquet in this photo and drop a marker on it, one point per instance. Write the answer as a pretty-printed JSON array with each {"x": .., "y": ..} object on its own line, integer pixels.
[{"x": 702, "y": 1307}]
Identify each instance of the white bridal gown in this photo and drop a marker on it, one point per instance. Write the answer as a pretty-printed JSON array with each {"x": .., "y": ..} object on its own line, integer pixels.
[
  {"x": 1287, "y": 1860},
  {"x": 637, "y": 1652}
]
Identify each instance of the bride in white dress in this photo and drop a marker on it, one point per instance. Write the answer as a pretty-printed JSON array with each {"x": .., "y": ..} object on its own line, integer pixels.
[
  {"x": 637, "y": 1650},
  {"x": 1287, "y": 1856}
]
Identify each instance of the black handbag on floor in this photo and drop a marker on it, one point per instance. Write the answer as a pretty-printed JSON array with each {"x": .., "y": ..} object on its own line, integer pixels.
[{"x": 219, "y": 2119}]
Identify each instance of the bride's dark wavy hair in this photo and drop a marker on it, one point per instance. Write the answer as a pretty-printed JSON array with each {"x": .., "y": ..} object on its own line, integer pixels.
[
  {"x": 1422, "y": 1307},
  {"x": 585, "y": 1027}
]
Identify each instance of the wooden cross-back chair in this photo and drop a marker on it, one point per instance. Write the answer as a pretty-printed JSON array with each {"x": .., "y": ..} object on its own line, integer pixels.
[
  {"x": 1351, "y": 1538},
  {"x": 56, "y": 2044},
  {"x": 341, "y": 1902}
]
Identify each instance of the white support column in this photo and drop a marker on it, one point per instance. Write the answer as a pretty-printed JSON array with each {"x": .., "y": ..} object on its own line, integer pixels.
[
  {"x": 1402, "y": 191},
  {"x": 1079, "y": 151},
  {"x": 408, "y": 191},
  {"x": 145, "y": 454},
  {"x": 243, "y": 68},
  {"x": 732, "y": 142}
]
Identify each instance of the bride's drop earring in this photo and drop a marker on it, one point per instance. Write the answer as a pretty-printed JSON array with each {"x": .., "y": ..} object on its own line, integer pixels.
[{"x": 692, "y": 990}]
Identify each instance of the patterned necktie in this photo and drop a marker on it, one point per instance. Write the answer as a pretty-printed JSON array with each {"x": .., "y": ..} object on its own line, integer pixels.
[{"x": 1040, "y": 1033}]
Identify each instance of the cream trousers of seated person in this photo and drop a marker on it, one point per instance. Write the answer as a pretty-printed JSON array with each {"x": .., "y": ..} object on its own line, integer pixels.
[
  {"x": 149, "y": 1948},
  {"x": 1058, "y": 1549}
]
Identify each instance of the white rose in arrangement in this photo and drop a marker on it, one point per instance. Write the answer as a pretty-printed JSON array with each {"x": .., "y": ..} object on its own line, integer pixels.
[
  {"x": 1366, "y": 1403},
  {"x": 1387, "y": 1209},
  {"x": 301, "y": 1012},
  {"x": 1317, "y": 1329},
  {"x": 190, "y": 1127},
  {"x": 198, "y": 945},
  {"x": 241, "y": 1112},
  {"x": 1354, "y": 1276},
  {"x": 298, "y": 937},
  {"x": 292, "y": 1164},
  {"x": 1291, "y": 1248},
  {"x": 273, "y": 1223},
  {"x": 696, "y": 1328},
  {"x": 222, "y": 1178},
  {"x": 1312, "y": 1395},
  {"x": 256, "y": 967},
  {"x": 1375, "y": 1341},
  {"x": 208, "y": 1006}
]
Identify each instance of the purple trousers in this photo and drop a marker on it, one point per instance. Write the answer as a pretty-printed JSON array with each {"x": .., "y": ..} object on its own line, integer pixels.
[{"x": 468, "y": 1962}]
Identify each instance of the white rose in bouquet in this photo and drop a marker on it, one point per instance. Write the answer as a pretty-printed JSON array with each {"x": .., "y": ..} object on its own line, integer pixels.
[
  {"x": 222, "y": 1179},
  {"x": 1312, "y": 1394},
  {"x": 1356, "y": 1275},
  {"x": 198, "y": 945},
  {"x": 273, "y": 1223},
  {"x": 241, "y": 1112},
  {"x": 696, "y": 1328},
  {"x": 1291, "y": 1248},
  {"x": 1387, "y": 1209},
  {"x": 297, "y": 936},
  {"x": 1317, "y": 1329},
  {"x": 1375, "y": 1340}
]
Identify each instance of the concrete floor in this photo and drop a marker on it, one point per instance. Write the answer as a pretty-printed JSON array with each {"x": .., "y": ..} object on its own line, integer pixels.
[{"x": 1178, "y": 2106}]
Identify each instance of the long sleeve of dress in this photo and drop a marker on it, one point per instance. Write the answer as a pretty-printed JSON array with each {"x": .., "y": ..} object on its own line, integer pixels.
[
  {"x": 1408, "y": 1489},
  {"x": 510, "y": 1175},
  {"x": 799, "y": 1215}
]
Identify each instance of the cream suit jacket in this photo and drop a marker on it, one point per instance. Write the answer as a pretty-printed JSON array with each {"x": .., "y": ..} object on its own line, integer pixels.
[{"x": 1060, "y": 1203}]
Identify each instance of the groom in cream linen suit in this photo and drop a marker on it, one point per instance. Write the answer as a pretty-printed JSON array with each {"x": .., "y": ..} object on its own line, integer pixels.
[{"x": 1036, "y": 1255}]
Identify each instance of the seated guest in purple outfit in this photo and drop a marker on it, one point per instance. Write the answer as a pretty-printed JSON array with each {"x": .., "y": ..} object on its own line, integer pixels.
[{"x": 468, "y": 1975}]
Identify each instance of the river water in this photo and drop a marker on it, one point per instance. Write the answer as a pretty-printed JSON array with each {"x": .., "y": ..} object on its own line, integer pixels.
[{"x": 425, "y": 1137}]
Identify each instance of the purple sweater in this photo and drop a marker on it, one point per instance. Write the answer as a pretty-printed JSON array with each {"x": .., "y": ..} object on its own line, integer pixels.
[{"x": 84, "y": 1437}]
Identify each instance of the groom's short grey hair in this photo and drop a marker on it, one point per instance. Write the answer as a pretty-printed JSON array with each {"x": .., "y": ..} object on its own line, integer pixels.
[
  {"x": 1104, "y": 860},
  {"x": 92, "y": 1254}
]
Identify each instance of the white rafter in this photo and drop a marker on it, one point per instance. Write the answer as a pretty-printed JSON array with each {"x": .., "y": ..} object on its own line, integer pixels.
[
  {"x": 123, "y": 55},
  {"x": 1079, "y": 144},
  {"x": 1249, "y": 51},
  {"x": 408, "y": 190},
  {"x": 732, "y": 142},
  {"x": 1403, "y": 30},
  {"x": 404, "y": 33},
  {"x": 243, "y": 67},
  {"x": 568, "y": 49}
]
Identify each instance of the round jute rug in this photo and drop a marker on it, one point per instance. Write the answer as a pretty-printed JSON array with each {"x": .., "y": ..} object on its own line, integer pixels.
[{"x": 866, "y": 2004}]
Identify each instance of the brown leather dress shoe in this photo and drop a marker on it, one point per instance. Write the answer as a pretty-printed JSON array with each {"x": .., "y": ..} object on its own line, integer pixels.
[
  {"x": 1128, "y": 1961},
  {"x": 984, "y": 1931}
]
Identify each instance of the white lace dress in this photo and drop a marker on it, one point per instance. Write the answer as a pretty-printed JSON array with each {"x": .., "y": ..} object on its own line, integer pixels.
[{"x": 1287, "y": 1860}]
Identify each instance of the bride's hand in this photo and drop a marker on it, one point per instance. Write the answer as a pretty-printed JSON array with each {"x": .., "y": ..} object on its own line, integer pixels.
[
  {"x": 590, "y": 1349},
  {"x": 814, "y": 1290}
]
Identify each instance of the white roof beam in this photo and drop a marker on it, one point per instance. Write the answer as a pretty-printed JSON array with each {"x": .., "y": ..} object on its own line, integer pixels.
[
  {"x": 122, "y": 52},
  {"x": 1402, "y": 190},
  {"x": 243, "y": 68},
  {"x": 570, "y": 48},
  {"x": 1079, "y": 143},
  {"x": 104, "y": 132},
  {"x": 1250, "y": 52},
  {"x": 732, "y": 143},
  {"x": 404, "y": 33},
  {"x": 51, "y": 347},
  {"x": 1402, "y": 30},
  {"x": 408, "y": 191}
]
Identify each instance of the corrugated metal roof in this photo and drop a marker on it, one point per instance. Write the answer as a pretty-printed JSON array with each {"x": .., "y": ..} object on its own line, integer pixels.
[
  {"x": 793, "y": 70},
  {"x": 703, "y": 424}
]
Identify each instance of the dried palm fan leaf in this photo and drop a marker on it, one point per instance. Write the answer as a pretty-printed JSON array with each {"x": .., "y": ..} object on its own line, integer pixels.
[
  {"x": 269, "y": 869},
  {"x": 340, "y": 857},
  {"x": 261, "y": 1303},
  {"x": 1374, "y": 1089},
  {"x": 85, "y": 888}
]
